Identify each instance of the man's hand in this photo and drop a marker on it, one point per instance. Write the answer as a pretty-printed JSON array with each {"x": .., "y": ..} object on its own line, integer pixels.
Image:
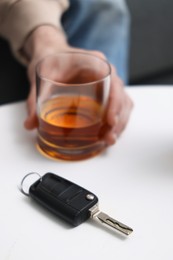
[{"x": 47, "y": 40}]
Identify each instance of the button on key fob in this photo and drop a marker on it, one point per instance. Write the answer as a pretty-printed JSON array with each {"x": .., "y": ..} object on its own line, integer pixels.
[{"x": 70, "y": 201}]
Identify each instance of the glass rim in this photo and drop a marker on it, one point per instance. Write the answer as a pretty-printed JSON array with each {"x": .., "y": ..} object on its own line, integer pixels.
[{"x": 72, "y": 84}]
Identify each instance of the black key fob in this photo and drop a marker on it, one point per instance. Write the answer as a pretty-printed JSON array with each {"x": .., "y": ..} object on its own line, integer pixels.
[
  {"x": 64, "y": 198},
  {"x": 70, "y": 201}
]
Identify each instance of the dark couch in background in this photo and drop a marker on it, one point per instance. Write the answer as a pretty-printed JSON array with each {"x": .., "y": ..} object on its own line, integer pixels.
[
  {"x": 13, "y": 79},
  {"x": 151, "y": 51}
]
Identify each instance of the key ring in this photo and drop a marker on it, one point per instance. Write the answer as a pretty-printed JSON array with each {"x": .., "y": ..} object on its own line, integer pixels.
[{"x": 24, "y": 178}]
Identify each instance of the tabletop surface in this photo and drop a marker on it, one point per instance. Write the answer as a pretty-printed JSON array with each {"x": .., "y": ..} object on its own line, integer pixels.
[{"x": 133, "y": 180}]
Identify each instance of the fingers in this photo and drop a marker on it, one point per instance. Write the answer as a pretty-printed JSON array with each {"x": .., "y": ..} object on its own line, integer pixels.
[
  {"x": 115, "y": 100},
  {"x": 124, "y": 115},
  {"x": 99, "y": 54},
  {"x": 119, "y": 109}
]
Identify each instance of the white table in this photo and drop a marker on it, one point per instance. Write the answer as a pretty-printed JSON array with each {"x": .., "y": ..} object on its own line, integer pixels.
[{"x": 133, "y": 180}]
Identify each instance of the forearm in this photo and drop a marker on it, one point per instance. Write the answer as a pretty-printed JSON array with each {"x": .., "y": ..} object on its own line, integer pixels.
[
  {"x": 19, "y": 18},
  {"x": 44, "y": 40}
]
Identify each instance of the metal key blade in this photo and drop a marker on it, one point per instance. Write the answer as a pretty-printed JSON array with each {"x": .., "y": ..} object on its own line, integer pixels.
[
  {"x": 104, "y": 218},
  {"x": 110, "y": 222}
]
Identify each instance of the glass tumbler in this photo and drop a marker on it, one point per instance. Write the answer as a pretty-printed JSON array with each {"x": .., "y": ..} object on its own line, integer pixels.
[{"x": 72, "y": 99}]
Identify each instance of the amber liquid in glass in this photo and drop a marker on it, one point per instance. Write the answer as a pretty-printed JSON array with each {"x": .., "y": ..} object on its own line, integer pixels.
[{"x": 71, "y": 128}]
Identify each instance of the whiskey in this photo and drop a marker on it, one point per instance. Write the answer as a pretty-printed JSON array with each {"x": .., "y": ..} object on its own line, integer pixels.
[{"x": 71, "y": 127}]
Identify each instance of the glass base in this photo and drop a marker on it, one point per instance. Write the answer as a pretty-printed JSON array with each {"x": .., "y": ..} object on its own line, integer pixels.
[{"x": 70, "y": 154}]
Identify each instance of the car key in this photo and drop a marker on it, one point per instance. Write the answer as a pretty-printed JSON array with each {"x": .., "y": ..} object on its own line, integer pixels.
[{"x": 70, "y": 201}]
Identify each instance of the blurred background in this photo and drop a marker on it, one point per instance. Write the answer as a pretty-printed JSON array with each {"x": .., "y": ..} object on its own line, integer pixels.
[{"x": 151, "y": 51}]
